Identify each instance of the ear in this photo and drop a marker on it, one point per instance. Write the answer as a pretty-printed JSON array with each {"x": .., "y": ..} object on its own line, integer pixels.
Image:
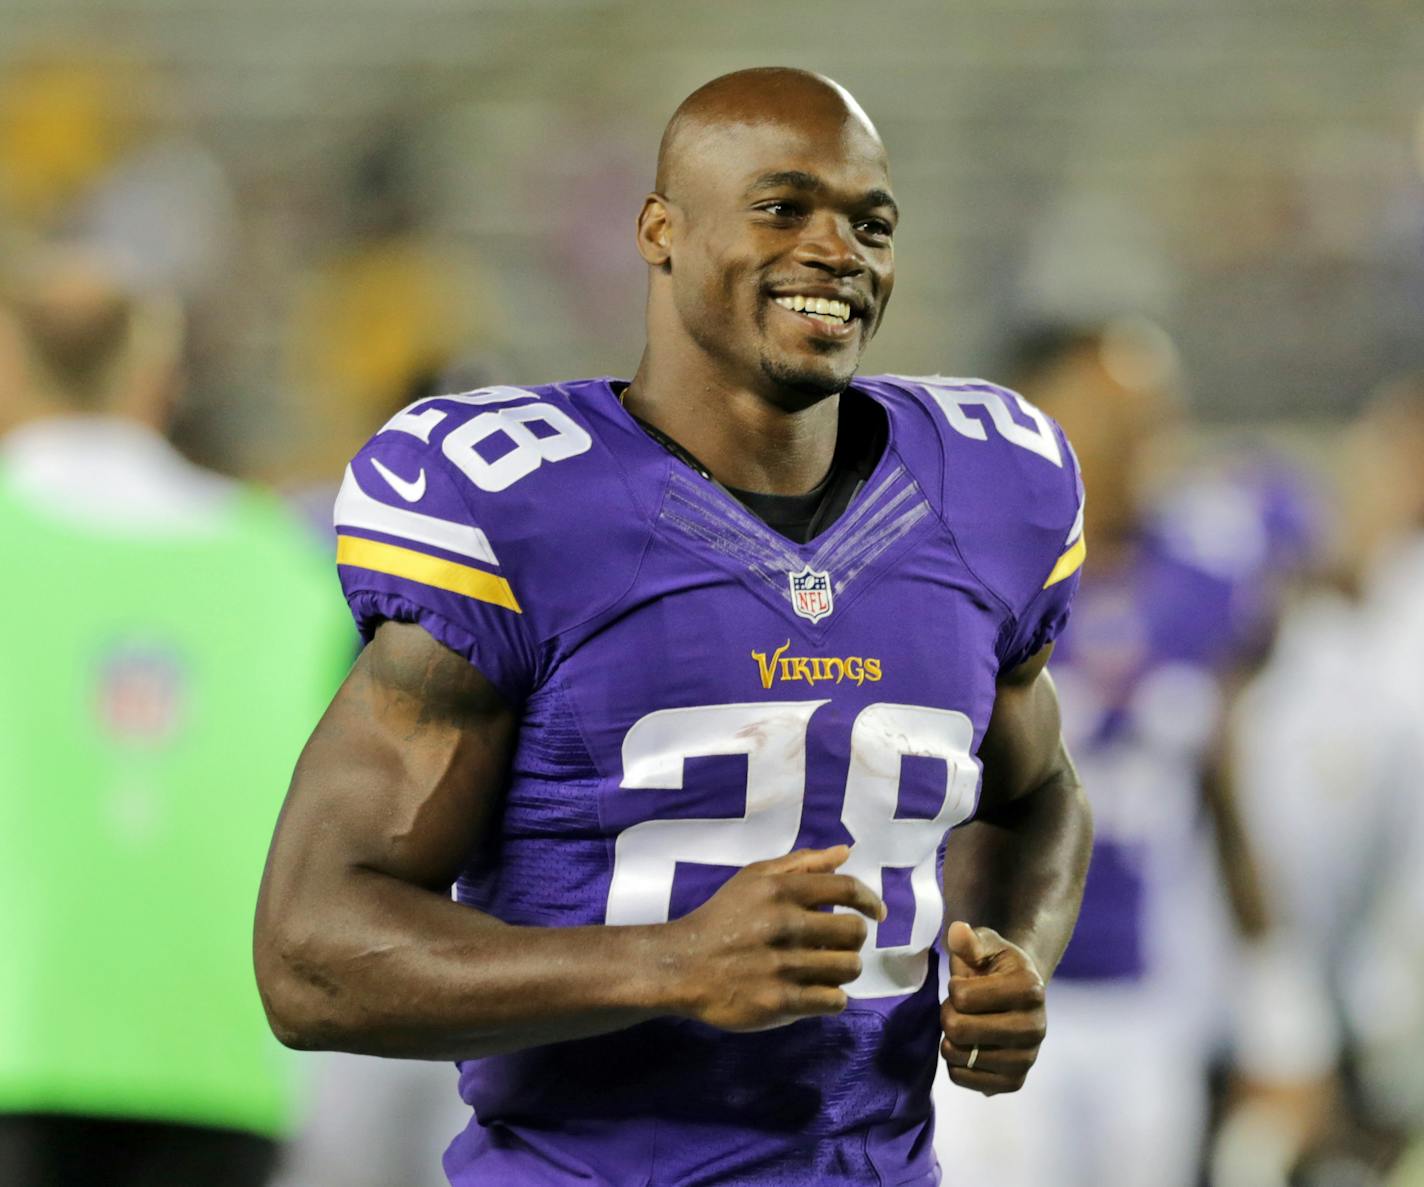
[{"x": 654, "y": 231}]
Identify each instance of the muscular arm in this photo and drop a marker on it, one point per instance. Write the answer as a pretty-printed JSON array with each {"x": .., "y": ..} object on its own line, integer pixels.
[
  {"x": 1235, "y": 853},
  {"x": 1013, "y": 882},
  {"x": 1019, "y": 866},
  {"x": 358, "y": 944},
  {"x": 359, "y": 947}
]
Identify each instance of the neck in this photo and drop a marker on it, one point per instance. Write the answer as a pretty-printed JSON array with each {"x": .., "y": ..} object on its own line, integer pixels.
[
  {"x": 44, "y": 407},
  {"x": 743, "y": 436}
]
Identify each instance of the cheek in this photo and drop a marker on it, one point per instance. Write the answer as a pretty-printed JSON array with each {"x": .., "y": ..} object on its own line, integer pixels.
[{"x": 886, "y": 287}]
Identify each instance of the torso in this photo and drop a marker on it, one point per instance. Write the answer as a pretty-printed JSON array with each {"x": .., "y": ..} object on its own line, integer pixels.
[{"x": 699, "y": 693}]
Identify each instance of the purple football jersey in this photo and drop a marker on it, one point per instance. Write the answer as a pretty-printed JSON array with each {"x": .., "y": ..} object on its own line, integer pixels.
[
  {"x": 698, "y": 693},
  {"x": 1140, "y": 675}
]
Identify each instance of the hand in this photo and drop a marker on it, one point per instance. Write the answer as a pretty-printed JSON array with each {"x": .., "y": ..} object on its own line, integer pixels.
[
  {"x": 995, "y": 1004},
  {"x": 761, "y": 952}
]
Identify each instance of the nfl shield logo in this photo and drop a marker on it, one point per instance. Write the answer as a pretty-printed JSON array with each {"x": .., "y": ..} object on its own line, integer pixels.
[{"x": 811, "y": 593}]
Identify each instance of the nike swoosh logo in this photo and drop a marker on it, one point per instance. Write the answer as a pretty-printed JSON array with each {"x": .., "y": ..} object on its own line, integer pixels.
[{"x": 410, "y": 491}]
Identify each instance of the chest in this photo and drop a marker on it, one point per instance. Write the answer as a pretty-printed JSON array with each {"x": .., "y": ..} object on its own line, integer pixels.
[{"x": 727, "y": 721}]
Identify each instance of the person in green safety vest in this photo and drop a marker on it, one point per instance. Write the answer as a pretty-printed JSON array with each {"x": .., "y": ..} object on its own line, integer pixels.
[{"x": 171, "y": 638}]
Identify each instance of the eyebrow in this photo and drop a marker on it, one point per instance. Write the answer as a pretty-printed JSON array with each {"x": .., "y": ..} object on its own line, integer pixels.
[{"x": 795, "y": 179}]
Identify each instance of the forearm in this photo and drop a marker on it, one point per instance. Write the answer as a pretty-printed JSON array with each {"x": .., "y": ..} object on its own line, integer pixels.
[
  {"x": 405, "y": 972},
  {"x": 1235, "y": 852},
  {"x": 1021, "y": 871}
]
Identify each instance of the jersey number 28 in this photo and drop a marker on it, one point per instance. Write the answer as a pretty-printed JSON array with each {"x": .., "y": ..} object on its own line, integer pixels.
[{"x": 773, "y": 737}]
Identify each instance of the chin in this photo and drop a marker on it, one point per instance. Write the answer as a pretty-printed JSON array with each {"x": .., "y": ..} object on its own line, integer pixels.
[{"x": 808, "y": 378}]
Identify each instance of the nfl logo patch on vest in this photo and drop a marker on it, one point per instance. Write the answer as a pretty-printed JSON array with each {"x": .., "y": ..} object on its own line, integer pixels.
[{"x": 811, "y": 593}]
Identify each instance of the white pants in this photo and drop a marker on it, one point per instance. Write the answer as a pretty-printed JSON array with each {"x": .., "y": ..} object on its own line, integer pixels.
[{"x": 1116, "y": 1099}]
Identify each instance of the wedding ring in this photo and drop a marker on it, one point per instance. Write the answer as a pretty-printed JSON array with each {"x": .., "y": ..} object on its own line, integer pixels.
[{"x": 973, "y": 1057}]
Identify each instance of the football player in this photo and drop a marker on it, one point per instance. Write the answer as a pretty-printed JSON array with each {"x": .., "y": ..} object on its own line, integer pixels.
[{"x": 682, "y": 683}]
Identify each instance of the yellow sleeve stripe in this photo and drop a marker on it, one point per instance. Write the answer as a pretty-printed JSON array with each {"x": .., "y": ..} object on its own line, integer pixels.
[
  {"x": 427, "y": 570},
  {"x": 1069, "y": 563}
]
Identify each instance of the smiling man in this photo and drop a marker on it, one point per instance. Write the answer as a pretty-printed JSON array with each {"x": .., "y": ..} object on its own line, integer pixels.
[{"x": 682, "y": 683}]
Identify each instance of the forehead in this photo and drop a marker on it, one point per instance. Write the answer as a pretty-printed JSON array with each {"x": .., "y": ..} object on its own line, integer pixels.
[{"x": 730, "y": 158}]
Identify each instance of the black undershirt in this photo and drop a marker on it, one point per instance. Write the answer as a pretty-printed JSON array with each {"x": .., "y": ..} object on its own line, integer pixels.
[
  {"x": 791, "y": 515},
  {"x": 860, "y": 440}
]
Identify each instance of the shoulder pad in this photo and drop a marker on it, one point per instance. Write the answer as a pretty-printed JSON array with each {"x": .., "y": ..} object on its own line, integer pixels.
[
  {"x": 499, "y": 510},
  {"x": 1007, "y": 483}
]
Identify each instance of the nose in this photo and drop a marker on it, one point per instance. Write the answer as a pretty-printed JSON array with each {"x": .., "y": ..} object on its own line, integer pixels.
[{"x": 829, "y": 245}]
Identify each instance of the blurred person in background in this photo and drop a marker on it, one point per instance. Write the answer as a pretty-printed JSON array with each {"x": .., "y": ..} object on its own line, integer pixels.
[
  {"x": 1329, "y": 747},
  {"x": 1167, "y": 615},
  {"x": 172, "y": 638}
]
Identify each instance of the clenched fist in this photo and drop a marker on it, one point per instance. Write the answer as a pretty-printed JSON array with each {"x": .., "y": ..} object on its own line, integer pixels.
[
  {"x": 994, "y": 1015},
  {"x": 764, "y": 952}
]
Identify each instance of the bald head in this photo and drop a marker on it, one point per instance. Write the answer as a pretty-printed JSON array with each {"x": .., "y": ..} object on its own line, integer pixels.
[
  {"x": 772, "y": 185},
  {"x": 82, "y": 340},
  {"x": 764, "y": 95}
]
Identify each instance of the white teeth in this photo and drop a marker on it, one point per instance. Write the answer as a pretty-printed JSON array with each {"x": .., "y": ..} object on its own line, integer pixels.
[{"x": 834, "y": 312}]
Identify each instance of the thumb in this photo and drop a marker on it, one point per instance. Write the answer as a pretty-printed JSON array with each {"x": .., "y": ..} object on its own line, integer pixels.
[{"x": 972, "y": 948}]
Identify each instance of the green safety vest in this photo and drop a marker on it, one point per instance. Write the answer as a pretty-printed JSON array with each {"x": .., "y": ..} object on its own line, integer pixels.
[{"x": 154, "y": 694}]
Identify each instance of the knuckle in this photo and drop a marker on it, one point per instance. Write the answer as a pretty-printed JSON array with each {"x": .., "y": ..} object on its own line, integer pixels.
[
  {"x": 786, "y": 925},
  {"x": 795, "y": 926},
  {"x": 772, "y": 1002},
  {"x": 957, "y": 1031}
]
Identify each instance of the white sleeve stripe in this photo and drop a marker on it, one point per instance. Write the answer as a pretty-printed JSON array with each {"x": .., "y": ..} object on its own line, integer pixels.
[
  {"x": 356, "y": 509},
  {"x": 1077, "y": 529}
]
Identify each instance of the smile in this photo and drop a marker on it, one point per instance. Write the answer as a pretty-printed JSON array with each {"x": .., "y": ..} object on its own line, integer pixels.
[{"x": 828, "y": 312}]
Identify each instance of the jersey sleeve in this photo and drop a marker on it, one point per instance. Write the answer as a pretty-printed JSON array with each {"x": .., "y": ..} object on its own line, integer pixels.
[
  {"x": 1045, "y": 614},
  {"x": 1011, "y": 494},
  {"x": 412, "y": 547}
]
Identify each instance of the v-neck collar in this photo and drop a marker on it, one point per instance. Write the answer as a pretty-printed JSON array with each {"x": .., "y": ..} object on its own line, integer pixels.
[{"x": 699, "y": 473}]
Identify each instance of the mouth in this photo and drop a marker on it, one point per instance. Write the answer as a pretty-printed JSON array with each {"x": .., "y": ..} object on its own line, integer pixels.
[{"x": 830, "y": 316}]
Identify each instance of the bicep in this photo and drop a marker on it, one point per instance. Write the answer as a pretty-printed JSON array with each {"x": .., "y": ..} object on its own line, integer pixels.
[
  {"x": 1023, "y": 744},
  {"x": 405, "y": 771}
]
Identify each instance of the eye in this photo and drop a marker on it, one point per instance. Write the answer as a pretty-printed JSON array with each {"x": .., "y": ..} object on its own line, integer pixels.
[
  {"x": 781, "y": 208},
  {"x": 878, "y": 228}
]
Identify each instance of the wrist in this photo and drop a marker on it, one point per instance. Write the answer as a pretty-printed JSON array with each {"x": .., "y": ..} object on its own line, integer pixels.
[
  {"x": 656, "y": 976},
  {"x": 1043, "y": 959}
]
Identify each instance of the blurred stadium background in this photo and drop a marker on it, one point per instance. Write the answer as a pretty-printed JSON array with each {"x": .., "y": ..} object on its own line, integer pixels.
[{"x": 361, "y": 202}]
